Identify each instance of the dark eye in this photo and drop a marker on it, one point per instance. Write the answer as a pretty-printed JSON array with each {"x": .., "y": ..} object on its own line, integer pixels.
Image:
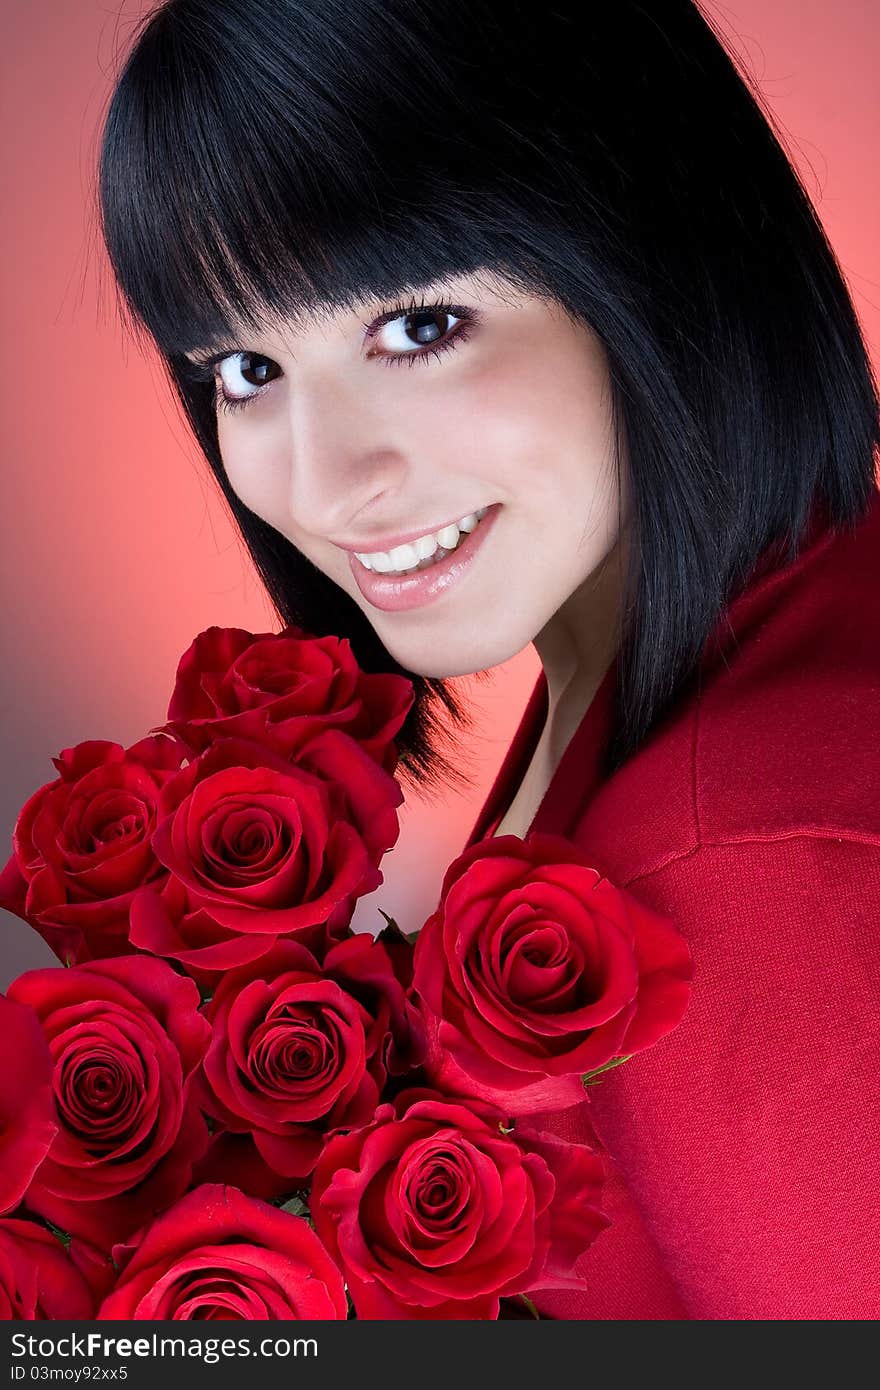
[
  {"x": 407, "y": 333},
  {"x": 412, "y": 331},
  {"x": 251, "y": 367}
]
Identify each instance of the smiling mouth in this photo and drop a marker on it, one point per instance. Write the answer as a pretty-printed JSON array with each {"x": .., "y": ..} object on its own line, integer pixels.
[
  {"x": 404, "y": 554},
  {"x": 428, "y": 580}
]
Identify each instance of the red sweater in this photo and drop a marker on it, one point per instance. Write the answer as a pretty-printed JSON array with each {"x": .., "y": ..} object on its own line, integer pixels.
[{"x": 743, "y": 1148}]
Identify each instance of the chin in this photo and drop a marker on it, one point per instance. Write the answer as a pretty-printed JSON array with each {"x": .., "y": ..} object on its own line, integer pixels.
[{"x": 442, "y": 662}]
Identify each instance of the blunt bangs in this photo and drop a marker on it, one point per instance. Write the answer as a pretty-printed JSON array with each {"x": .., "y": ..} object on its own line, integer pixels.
[{"x": 253, "y": 171}]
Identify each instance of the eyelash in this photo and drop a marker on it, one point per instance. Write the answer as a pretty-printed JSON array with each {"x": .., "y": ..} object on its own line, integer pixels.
[{"x": 468, "y": 318}]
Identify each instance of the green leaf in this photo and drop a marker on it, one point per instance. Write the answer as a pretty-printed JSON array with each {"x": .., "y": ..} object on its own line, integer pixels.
[
  {"x": 63, "y": 1236},
  {"x": 392, "y": 933},
  {"x": 531, "y": 1307},
  {"x": 589, "y": 1078},
  {"x": 296, "y": 1206}
]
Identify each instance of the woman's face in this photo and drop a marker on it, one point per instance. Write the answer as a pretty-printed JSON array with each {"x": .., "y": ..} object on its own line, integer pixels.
[{"x": 355, "y": 436}]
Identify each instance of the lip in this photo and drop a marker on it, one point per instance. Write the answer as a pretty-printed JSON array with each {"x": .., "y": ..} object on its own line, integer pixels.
[{"x": 393, "y": 594}]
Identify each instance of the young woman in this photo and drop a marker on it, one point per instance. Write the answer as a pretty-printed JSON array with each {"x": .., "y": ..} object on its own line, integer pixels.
[{"x": 640, "y": 432}]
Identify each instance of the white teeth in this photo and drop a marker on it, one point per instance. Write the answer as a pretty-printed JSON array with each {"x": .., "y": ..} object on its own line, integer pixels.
[
  {"x": 426, "y": 545},
  {"x": 449, "y": 536},
  {"x": 402, "y": 559}
]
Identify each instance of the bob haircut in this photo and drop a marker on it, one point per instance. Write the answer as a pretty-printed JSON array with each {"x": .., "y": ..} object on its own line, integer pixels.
[{"x": 297, "y": 157}]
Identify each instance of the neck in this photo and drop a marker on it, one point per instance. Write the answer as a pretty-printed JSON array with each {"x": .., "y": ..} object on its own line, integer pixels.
[{"x": 579, "y": 643}]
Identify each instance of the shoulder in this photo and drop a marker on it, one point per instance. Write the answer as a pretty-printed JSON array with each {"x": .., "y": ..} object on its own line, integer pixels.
[
  {"x": 788, "y": 735},
  {"x": 780, "y": 735},
  {"x": 747, "y": 1133}
]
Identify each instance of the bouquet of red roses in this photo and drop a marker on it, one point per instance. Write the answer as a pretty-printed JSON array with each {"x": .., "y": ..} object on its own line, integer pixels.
[{"x": 228, "y": 1104}]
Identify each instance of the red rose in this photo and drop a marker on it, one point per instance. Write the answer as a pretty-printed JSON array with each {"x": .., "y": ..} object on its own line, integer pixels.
[
  {"x": 361, "y": 791},
  {"x": 254, "y": 852},
  {"x": 283, "y": 688},
  {"x": 300, "y": 1049},
  {"x": 27, "y": 1112},
  {"x": 125, "y": 1037},
  {"x": 535, "y": 970},
  {"x": 218, "y": 1254},
  {"x": 81, "y": 845},
  {"x": 433, "y": 1211},
  {"x": 235, "y": 1158},
  {"x": 38, "y": 1279}
]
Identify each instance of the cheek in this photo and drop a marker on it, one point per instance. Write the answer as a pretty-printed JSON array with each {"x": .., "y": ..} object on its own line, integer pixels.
[
  {"x": 537, "y": 420},
  {"x": 496, "y": 424},
  {"x": 256, "y": 462}
]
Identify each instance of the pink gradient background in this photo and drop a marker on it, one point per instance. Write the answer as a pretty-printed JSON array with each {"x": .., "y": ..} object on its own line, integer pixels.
[{"x": 115, "y": 548}]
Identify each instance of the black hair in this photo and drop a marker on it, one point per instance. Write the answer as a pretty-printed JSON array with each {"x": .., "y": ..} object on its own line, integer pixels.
[{"x": 299, "y": 156}]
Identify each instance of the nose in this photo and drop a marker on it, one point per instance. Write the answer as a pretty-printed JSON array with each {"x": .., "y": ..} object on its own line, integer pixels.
[{"x": 346, "y": 456}]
